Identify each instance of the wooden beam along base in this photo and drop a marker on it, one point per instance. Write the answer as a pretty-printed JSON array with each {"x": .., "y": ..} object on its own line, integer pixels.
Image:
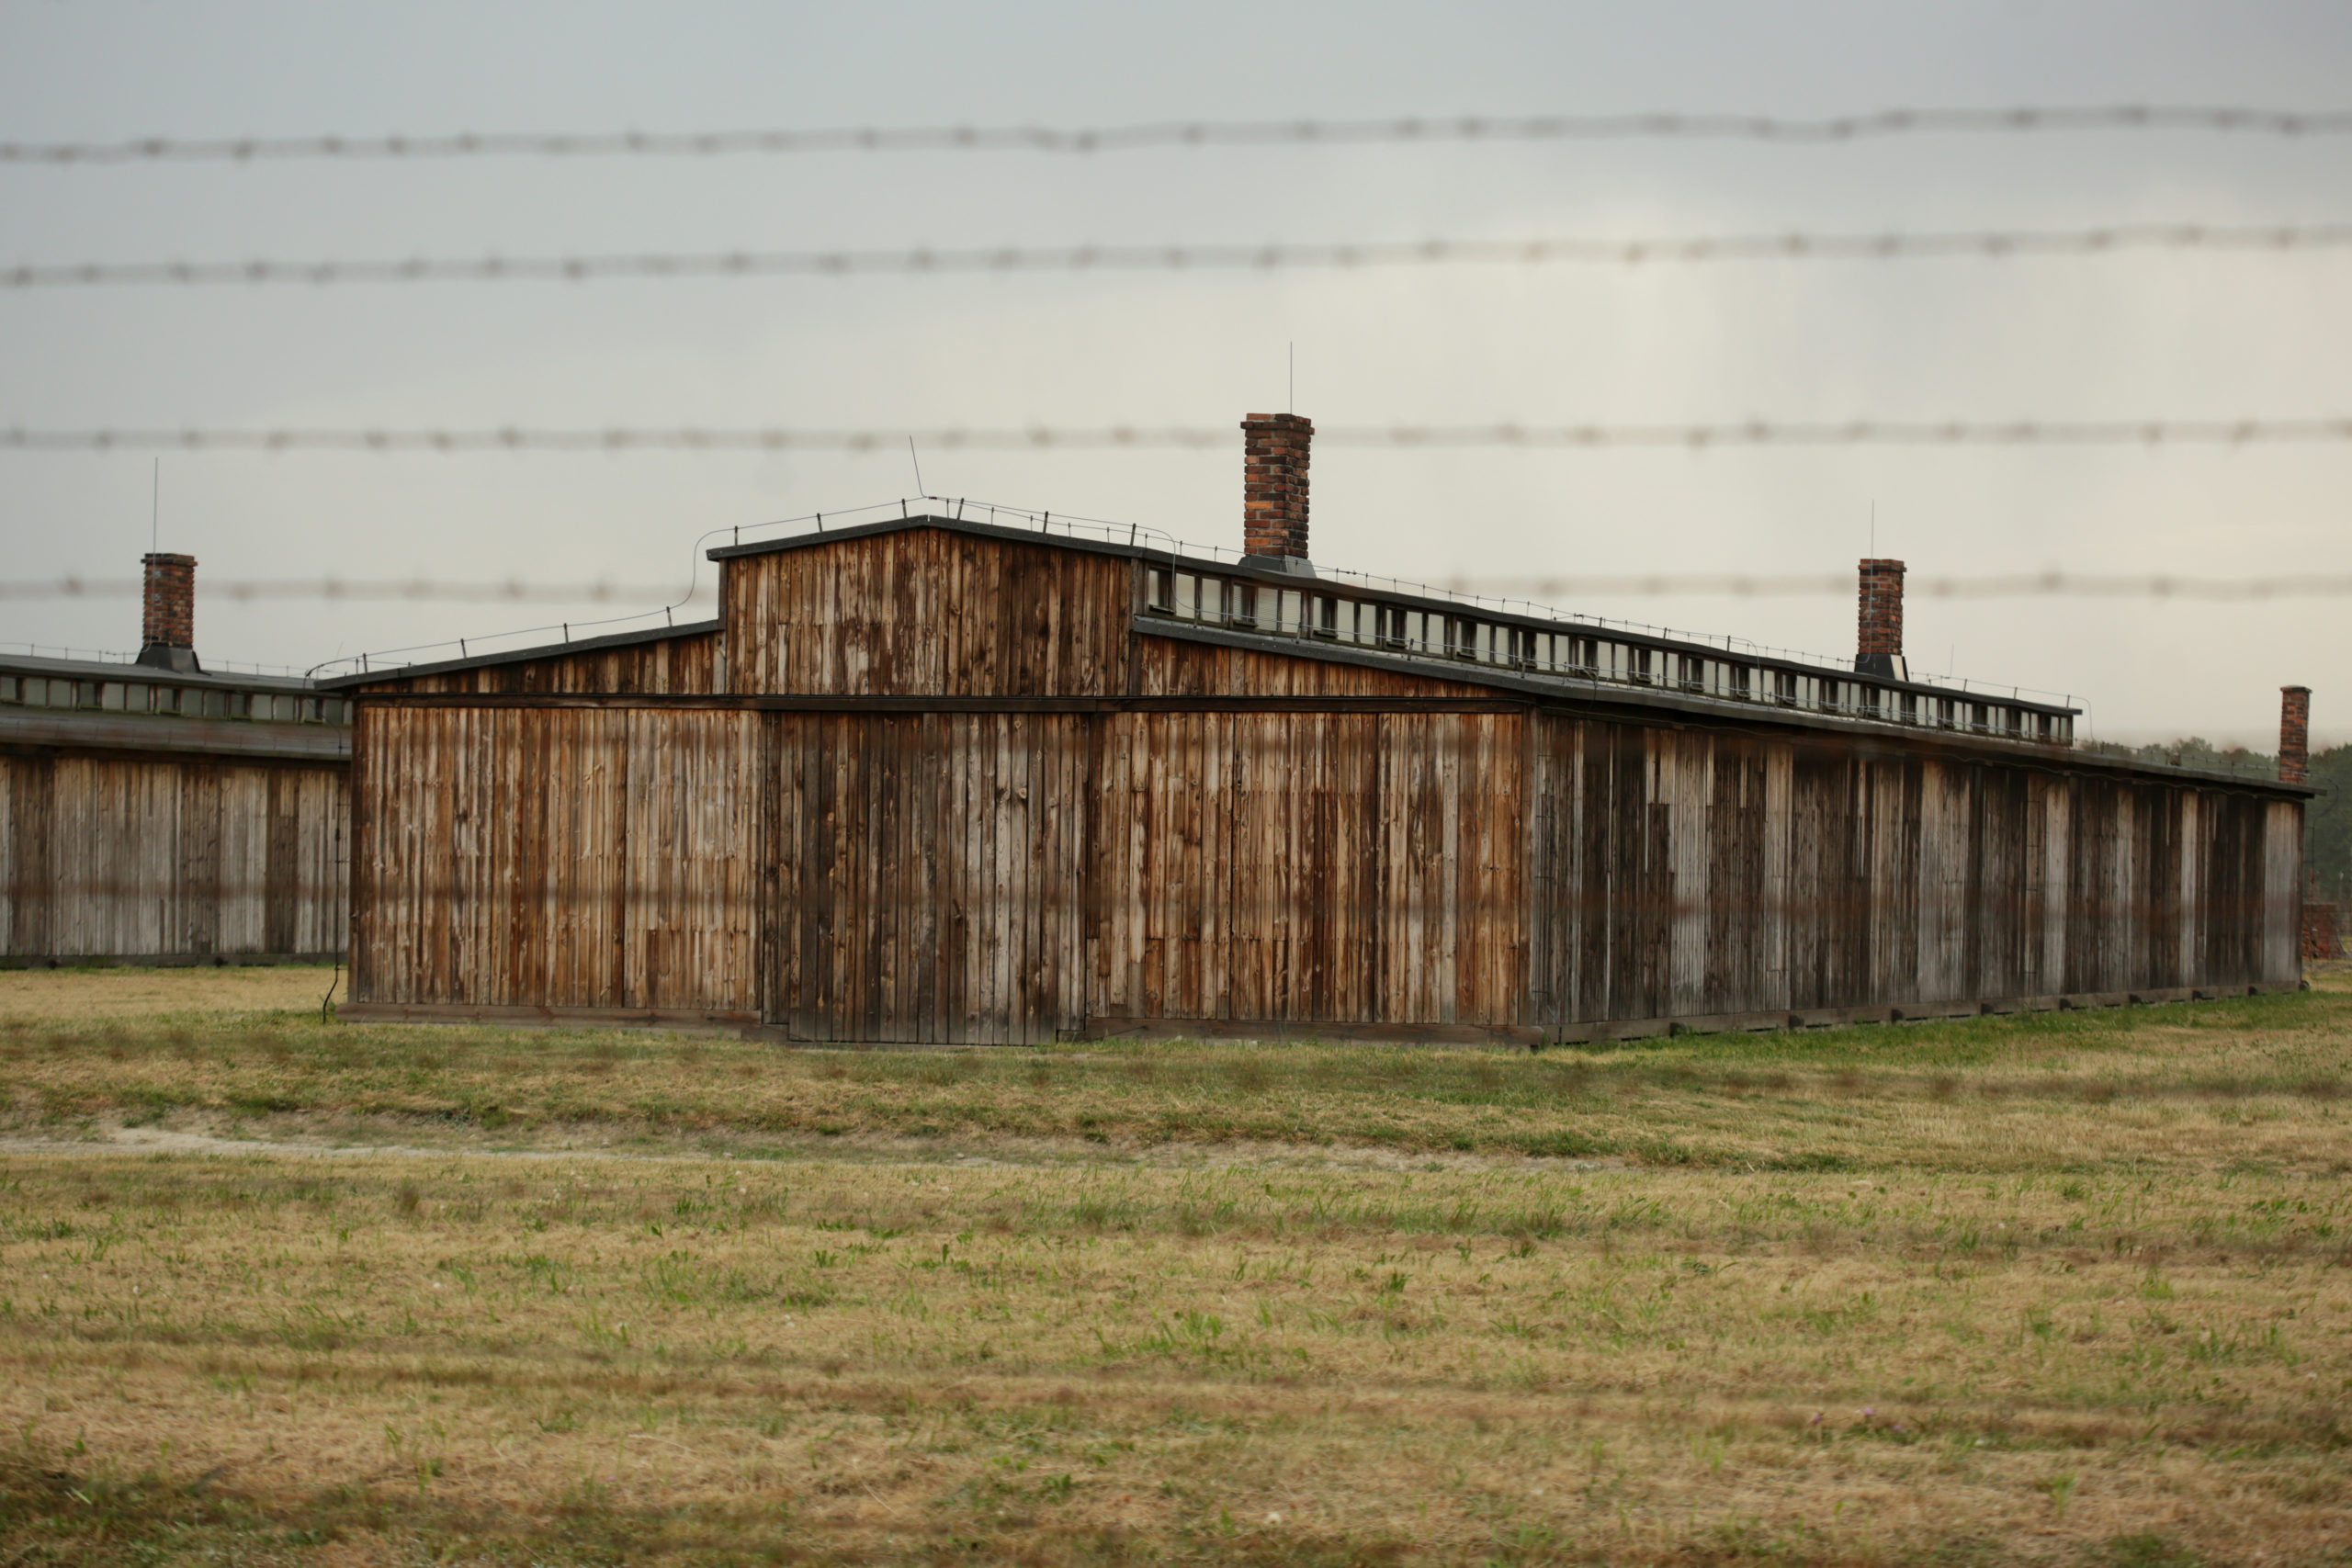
[{"x": 1261, "y": 1031}]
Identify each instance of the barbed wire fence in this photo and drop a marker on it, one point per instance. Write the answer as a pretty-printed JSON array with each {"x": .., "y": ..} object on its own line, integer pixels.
[
  {"x": 1989, "y": 244},
  {"x": 2008, "y": 585},
  {"x": 1793, "y": 130},
  {"x": 1751, "y": 432}
]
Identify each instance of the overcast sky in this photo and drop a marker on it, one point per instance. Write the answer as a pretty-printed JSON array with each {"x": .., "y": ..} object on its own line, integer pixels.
[{"x": 2169, "y": 335}]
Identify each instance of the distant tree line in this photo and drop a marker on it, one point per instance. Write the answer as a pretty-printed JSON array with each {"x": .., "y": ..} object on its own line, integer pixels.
[{"x": 2328, "y": 824}]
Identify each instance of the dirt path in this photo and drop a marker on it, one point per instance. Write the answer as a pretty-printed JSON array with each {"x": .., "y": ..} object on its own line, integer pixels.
[{"x": 115, "y": 1142}]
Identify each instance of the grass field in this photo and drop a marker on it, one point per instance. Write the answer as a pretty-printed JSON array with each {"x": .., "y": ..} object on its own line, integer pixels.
[{"x": 2072, "y": 1288}]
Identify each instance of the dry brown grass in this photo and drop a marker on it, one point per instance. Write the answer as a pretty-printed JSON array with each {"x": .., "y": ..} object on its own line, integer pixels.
[
  {"x": 2098, "y": 1329},
  {"x": 2256, "y": 1082}
]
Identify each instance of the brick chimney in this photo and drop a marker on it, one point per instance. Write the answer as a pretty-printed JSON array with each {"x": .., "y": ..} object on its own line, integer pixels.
[
  {"x": 1274, "y": 486},
  {"x": 1879, "y": 647},
  {"x": 2294, "y": 734},
  {"x": 167, "y": 633}
]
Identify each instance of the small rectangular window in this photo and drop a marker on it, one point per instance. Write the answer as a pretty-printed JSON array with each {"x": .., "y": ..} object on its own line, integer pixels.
[
  {"x": 1327, "y": 618},
  {"x": 1691, "y": 672},
  {"x": 216, "y": 705},
  {"x": 1162, "y": 590},
  {"x": 8, "y": 690},
  {"x": 1241, "y": 603},
  {"x": 1188, "y": 597},
  {"x": 1741, "y": 683},
  {"x": 1290, "y": 612},
  {"x": 336, "y": 710},
  {"x": 1826, "y": 694},
  {"x": 1910, "y": 711}
]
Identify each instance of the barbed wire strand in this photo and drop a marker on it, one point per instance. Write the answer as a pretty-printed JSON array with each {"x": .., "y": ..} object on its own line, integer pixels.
[
  {"x": 722, "y": 439},
  {"x": 1825, "y": 130},
  {"x": 1983, "y": 244},
  {"x": 2011, "y": 585}
]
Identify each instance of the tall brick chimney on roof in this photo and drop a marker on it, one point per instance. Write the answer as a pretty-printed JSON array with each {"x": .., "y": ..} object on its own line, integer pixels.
[
  {"x": 1878, "y": 649},
  {"x": 1274, "y": 486},
  {"x": 2294, "y": 734},
  {"x": 167, "y": 632}
]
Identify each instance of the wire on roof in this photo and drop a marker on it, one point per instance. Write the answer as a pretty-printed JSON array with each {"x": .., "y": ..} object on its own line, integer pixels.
[
  {"x": 1799, "y": 130},
  {"x": 1992, "y": 244}
]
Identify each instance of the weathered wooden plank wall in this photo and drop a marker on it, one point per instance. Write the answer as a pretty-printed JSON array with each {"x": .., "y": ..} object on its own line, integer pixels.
[
  {"x": 1695, "y": 874},
  {"x": 930, "y": 612},
  {"x": 960, "y": 877},
  {"x": 580, "y": 858},
  {"x": 929, "y": 875},
  {"x": 1173, "y": 667},
  {"x": 1346, "y": 868},
  {"x": 106, "y": 857}
]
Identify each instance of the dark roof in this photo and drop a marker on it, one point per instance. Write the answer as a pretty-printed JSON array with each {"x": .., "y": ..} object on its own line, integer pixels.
[
  {"x": 152, "y": 675},
  {"x": 1699, "y": 707},
  {"x": 517, "y": 655}
]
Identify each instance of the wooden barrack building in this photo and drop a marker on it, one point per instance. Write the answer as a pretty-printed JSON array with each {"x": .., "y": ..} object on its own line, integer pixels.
[
  {"x": 938, "y": 780},
  {"x": 153, "y": 811}
]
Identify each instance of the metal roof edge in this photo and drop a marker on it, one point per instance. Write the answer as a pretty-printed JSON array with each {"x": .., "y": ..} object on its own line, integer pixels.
[
  {"x": 151, "y": 674},
  {"x": 951, "y": 525},
  {"x": 1604, "y": 695},
  {"x": 518, "y": 655}
]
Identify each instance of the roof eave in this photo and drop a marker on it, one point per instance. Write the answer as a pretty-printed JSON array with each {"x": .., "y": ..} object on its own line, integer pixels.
[{"x": 517, "y": 656}]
